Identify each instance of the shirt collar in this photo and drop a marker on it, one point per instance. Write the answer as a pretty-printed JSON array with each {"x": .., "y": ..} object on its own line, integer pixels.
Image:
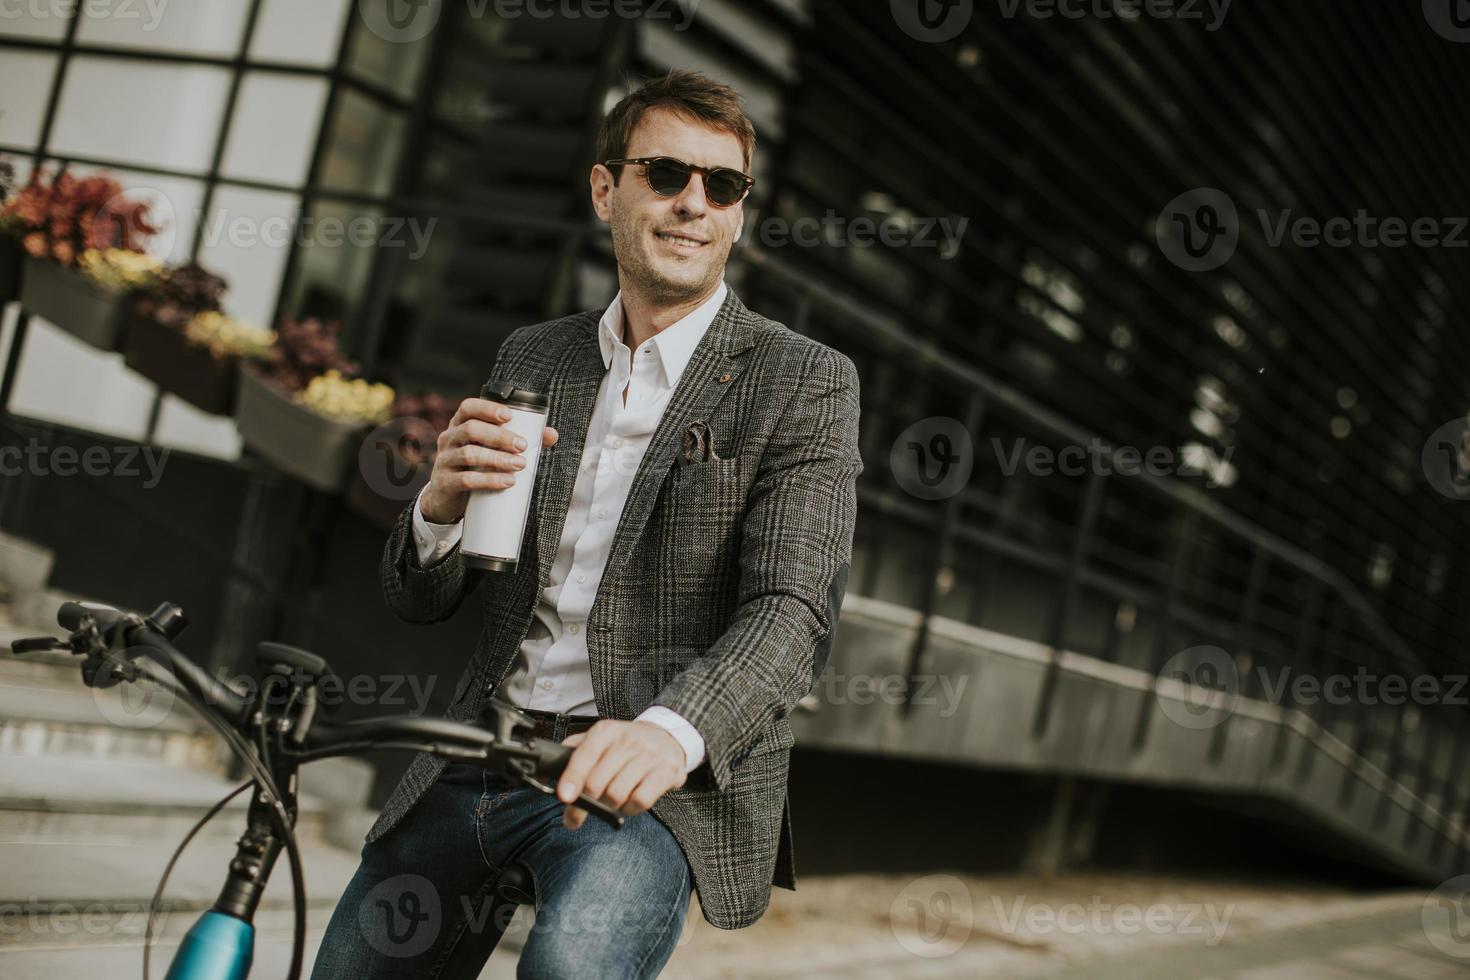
[{"x": 675, "y": 343}]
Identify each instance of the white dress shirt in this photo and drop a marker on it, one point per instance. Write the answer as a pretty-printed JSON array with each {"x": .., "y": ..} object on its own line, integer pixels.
[{"x": 552, "y": 672}]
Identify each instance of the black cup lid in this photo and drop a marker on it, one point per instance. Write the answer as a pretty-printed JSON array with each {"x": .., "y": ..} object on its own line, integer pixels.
[{"x": 509, "y": 393}]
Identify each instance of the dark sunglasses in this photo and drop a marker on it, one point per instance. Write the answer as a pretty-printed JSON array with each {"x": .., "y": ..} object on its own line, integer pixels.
[{"x": 668, "y": 176}]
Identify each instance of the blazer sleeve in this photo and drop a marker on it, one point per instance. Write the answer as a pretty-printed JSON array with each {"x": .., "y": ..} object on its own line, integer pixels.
[{"x": 795, "y": 553}]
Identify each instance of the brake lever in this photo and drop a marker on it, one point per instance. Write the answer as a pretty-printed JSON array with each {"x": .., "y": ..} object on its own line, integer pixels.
[
  {"x": 37, "y": 644},
  {"x": 595, "y": 807}
]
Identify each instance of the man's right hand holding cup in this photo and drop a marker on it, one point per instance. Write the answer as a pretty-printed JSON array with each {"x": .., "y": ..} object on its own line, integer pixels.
[{"x": 476, "y": 452}]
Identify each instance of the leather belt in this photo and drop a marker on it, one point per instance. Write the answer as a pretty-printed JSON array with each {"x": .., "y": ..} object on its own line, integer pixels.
[{"x": 547, "y": 723}]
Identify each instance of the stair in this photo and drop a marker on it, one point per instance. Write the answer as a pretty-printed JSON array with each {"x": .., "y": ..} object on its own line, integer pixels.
[{"x": 97, "y": 788}]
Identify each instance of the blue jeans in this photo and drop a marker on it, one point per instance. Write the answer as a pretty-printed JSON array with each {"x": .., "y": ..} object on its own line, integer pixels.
[{"x": 609, "y": 903}]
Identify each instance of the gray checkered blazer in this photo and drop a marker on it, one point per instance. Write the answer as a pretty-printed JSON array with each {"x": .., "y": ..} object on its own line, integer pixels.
[{"x": 722, "y": 590}]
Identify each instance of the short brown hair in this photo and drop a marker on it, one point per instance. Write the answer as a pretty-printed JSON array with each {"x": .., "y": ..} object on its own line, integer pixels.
[{"x": 689, "y": 93}]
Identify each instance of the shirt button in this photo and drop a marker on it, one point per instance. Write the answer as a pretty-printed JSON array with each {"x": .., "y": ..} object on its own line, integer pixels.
[
  {"x": 546, "y": 685},
  {"x": 573, "y": 627},
  {"x": 617, "y": 443},
  {"x": 601, "y": 512},
  {"x": 441, "y": 547},
  {"x": 581, "y": 578}
]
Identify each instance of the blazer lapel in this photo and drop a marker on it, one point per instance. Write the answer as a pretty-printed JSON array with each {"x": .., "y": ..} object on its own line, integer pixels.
[
  {"x": 719, "y": 354},
  {"x": 572, "y": 391}
]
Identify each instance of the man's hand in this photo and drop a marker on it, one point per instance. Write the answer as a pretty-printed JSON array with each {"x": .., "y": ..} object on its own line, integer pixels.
[
  {"x": 476, "y": 452},
  {"x": 626, "y": 764}
]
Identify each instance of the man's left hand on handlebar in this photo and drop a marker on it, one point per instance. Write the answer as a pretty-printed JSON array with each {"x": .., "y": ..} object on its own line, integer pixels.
[{"x": 627, "y": 764}]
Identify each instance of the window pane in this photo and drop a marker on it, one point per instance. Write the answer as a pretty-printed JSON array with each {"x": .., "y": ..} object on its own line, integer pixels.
[
  {"x": 212, "y": 28},
  {"x": 306, "y": 33},
  {"x": 338, "y": 243},
  {"x": 362, "y": 148},
  {"x": 248, "y": 237},
  {"x": 150, "y": 114},
  {"x": 274, "y": 128},
  {"x": 25, "y": 85}
]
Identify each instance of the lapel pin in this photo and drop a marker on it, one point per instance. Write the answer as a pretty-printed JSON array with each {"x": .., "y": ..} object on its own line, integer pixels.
[{"x": 724, "y": 378}]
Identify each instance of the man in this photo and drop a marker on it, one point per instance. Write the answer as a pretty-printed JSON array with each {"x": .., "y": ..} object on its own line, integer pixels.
[{"x": 678, "y": 590}]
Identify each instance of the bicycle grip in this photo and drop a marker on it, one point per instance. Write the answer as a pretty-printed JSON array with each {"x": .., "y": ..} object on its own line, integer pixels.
[{"x": 69, "y": 616}]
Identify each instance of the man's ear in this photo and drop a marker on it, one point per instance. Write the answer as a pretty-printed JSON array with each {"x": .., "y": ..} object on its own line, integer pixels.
[{"x": 600, "y": 180}]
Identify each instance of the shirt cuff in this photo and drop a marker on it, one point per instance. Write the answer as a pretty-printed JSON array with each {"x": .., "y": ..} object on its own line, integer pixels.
[
  {"x": 432, "y": 542},
  {"x": 672, "y": 722}
]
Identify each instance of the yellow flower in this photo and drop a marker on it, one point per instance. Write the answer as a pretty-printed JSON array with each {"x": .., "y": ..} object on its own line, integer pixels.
[
  {"x": 352, "y": 401},
  {"x": 120, "y": 269},
  {"x": 226, "y": 336}
]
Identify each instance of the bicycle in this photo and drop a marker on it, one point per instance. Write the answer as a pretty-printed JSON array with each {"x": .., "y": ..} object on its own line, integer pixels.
[{"x": 272, "y": 731}]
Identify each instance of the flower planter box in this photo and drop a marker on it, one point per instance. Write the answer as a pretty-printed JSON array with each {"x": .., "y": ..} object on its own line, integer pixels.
[
  {"x": 309, "y": 446},
  {"x": 12, "y": 263},
  {"x": 73, "y": 303},
  {"x": 163, "y": 355}
]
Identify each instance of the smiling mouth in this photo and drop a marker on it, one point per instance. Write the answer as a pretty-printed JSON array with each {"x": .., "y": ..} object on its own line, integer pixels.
[{"x": 682, "y": 243}]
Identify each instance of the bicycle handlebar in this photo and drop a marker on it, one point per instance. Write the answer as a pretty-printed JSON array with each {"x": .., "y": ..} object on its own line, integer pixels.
[{"x": 537, "y": 760}]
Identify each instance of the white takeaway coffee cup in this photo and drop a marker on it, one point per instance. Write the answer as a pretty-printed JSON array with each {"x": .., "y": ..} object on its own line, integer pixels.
[{"x": 495, "y": 520}]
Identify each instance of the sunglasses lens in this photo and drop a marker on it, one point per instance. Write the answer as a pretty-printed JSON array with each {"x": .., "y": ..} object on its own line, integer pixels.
[
  {"x": 725, "y": 187},
  {"x": 667, "y": 177}
]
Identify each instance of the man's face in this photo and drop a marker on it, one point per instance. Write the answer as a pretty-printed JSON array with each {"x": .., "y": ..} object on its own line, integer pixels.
[{"x": 672, "y": 249}]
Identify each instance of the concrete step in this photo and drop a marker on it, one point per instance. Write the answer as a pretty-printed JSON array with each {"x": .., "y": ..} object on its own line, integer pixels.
[{"x": 76, "y": 798}]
